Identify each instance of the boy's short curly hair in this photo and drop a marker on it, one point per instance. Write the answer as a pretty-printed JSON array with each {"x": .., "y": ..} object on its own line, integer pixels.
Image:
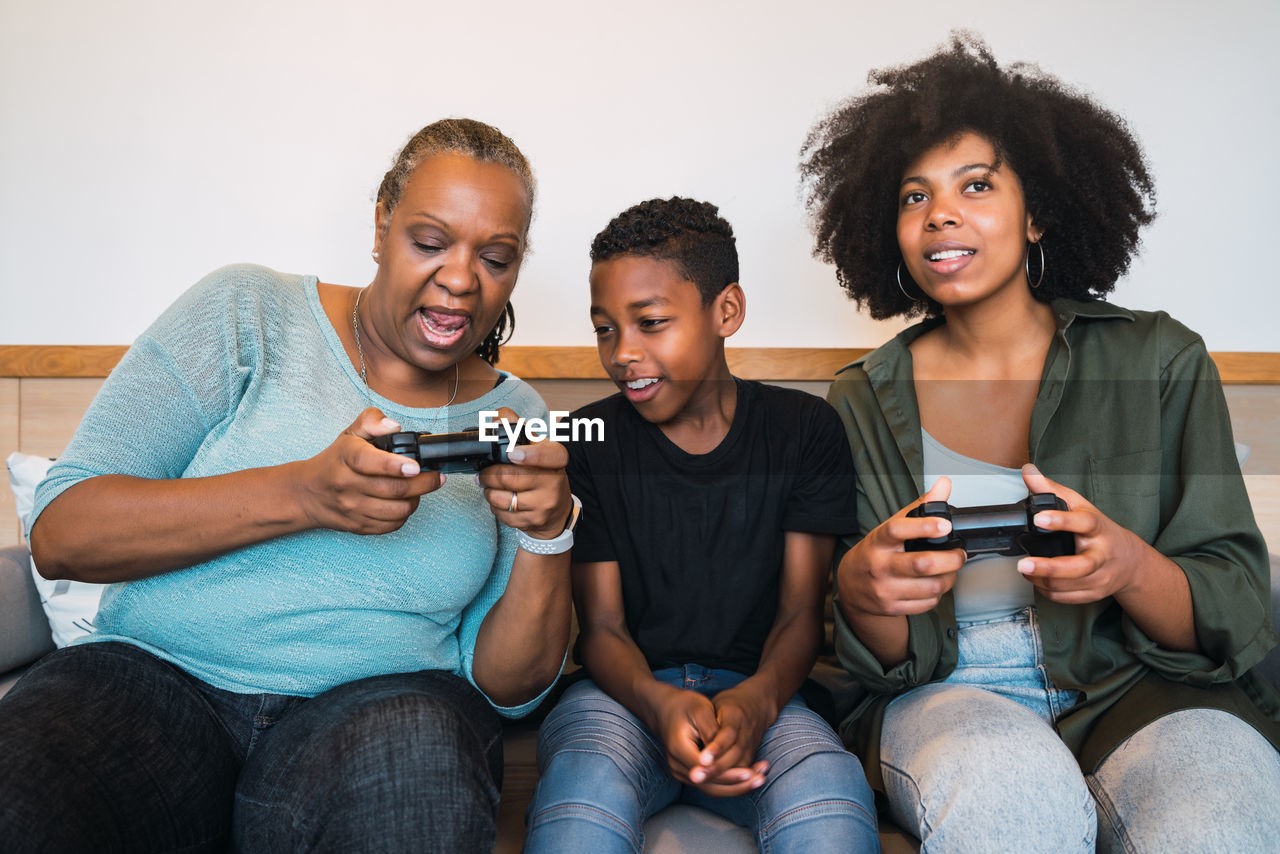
[
  {"x": 1083, "y": 174},
  {"x": 688, "y": 233}
]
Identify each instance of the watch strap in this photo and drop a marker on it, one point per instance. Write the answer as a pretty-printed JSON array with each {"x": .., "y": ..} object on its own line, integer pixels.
[{"x": 557, "y": 544}]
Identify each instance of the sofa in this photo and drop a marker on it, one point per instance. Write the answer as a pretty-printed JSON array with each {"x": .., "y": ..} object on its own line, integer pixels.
[{"x": 25, "y": 636}]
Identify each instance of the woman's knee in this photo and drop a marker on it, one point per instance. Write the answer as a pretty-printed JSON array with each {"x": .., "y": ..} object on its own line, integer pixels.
[
  {"x": 407, "y": 736},
  {"x": 970, "y": 769},
  {"x": 1196, "y": 780},
  {"x": 381, "y": 767},
  {"x": 108, "y": 748}
]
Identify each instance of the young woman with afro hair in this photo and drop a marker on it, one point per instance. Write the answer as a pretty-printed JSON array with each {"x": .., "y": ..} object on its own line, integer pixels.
[{"x": 1020, "y": 702}]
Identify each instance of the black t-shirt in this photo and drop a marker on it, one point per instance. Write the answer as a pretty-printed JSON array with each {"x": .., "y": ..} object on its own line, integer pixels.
[{"x": 699, "y": 538}]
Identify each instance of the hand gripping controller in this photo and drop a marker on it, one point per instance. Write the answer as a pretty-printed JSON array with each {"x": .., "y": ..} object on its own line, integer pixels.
[
  {"x": 450, "y": 452},
  {"x": 1005, "y": 529}
]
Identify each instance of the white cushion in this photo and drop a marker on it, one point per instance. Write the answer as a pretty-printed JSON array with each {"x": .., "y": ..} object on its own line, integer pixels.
[
  {"x": 686, "y": 829},
  {"x": 70, "y": 606}
]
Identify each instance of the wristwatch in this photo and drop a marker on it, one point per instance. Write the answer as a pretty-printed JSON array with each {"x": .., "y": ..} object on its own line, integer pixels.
[{"x": 558, "y": 544}]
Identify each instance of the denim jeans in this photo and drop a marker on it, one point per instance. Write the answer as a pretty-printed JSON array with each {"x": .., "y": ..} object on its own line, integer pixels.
[
  {"x": 603, "y": 773},
  {"x": 974, "y": 764},
  {"x": 107, "y": 748}
]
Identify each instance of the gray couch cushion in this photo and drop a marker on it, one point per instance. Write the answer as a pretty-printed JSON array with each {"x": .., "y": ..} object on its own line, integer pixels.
[{"x": 25, "y": 633}]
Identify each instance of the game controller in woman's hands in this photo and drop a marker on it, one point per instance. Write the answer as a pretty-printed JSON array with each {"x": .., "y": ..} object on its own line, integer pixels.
[
  {"x": 450, "y": 452},
  {"x": 1007, "y": 529}
]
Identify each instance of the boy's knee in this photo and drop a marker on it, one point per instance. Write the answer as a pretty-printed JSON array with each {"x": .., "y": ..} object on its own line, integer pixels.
[
  {"x": 585, "y": 794},
  {"x": 822, "y": 785},
  {"x": 587, "y": 724},
  {"x": 591, "y": 776}
]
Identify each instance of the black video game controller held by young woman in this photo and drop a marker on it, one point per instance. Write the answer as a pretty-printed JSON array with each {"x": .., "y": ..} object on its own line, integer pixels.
[
  {"x": 1006, "y": 529},
  {"x": 450, "y": 452}
]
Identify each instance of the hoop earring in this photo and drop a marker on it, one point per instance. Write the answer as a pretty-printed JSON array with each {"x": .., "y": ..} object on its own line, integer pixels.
[
  {"x": 898, "y": 275},
  {"x": 1026, "y": 264}
]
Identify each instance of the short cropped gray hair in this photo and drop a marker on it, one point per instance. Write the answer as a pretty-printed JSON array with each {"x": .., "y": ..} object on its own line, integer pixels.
[{"x": 454, "y": 136}]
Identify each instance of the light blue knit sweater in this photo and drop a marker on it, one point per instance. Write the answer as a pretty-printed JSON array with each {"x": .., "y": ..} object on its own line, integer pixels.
[{"x": 243, "y": 371}]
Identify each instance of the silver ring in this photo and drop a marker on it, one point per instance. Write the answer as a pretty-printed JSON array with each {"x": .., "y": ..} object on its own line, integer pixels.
[{"x": 511, "y": 508}]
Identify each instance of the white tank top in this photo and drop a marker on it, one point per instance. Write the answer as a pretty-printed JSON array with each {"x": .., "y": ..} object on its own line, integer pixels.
[{"x": 989, "y": 586}]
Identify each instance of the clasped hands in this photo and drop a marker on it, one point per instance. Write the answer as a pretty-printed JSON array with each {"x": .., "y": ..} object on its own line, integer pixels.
[
  {"x": 711, "y": 741},
  {"x": 879, "y": 577},
  {"x": 353, "y": 486}
]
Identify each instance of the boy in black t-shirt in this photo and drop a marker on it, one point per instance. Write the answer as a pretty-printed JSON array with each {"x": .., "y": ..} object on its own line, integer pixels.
[{"x": 699, "y": 567}]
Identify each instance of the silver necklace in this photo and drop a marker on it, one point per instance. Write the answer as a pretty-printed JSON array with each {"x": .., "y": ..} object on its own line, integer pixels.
[{"x": 355, "y": 327}]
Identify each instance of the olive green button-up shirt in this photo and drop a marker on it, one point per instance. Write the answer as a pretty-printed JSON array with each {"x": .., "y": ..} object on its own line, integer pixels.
[{"x": 1130, "y": 414}]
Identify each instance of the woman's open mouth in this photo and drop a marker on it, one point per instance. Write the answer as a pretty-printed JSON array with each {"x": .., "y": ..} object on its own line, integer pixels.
[
  {"x": 947, "y": 261},
  {"x": 442, "y": 329}
]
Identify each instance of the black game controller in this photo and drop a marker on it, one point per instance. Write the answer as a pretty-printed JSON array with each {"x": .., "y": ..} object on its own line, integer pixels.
[
  {"x": 1005, "y": 529},
  {"x": 450, "y": 452}
]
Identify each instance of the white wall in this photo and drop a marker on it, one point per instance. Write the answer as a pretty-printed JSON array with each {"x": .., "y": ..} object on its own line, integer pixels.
[{"x": 145, "y": 142}]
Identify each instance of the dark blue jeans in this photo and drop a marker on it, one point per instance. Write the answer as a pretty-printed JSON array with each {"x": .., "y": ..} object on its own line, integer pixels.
[{"x": 105, "y": 748}]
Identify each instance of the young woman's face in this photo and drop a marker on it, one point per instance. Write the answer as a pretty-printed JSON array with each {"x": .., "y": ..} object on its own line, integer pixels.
[
  {"x": 449, "y": 254},
  {"x": 963, "y": 225}
]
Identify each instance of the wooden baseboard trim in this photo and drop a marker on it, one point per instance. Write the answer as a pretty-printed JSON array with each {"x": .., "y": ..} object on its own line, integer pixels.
[{"x": 537, "y": 363}]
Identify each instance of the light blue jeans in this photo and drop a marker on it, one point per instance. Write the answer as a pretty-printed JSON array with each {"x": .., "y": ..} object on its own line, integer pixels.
[
  {"x": 974, "y": 764},
  {"x": 603, "y": 773}
]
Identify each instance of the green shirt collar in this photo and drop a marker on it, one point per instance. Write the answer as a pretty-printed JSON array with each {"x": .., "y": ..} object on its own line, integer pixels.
[
  {"x": 889, "y": 355},
  {"x": 890, "y": 373}
]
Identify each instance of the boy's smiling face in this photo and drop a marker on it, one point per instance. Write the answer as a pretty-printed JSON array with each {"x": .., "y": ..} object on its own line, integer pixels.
[{"x": 660, "y": 345}]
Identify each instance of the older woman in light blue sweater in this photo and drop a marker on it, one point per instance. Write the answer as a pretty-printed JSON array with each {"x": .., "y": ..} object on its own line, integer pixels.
[{"x": 308, "y": 637}]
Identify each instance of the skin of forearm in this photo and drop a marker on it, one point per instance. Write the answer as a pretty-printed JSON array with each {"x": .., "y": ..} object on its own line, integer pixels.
[
  {"x": 792, "y": 644},
  {"x": 522, "y": 642},
  {"x": 788, "y": 656},
  {"x": 885, "y": 636},
  {"x": 620, "y": 669},
  {"x": 118, "y": 528}
]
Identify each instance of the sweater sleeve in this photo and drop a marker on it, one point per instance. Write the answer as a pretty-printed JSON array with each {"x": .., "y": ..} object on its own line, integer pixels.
[
  {"x": 182, "y": 378},
  {"x": 1207, "y": 528},
  {"x": 528, "y": 404}
]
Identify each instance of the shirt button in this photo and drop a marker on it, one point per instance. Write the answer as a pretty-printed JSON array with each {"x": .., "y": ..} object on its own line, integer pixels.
[{"x": 951, "y": 633}]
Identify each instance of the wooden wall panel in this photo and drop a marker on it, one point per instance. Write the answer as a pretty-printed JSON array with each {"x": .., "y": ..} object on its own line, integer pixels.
[
  {"x": 1255, "y": 420},
  {"x": 51, "y": 411},
  {"x": 1264, "y": 495},
  {"x": 9, "y": 531},
  {"x": 56, "y": 361}
]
